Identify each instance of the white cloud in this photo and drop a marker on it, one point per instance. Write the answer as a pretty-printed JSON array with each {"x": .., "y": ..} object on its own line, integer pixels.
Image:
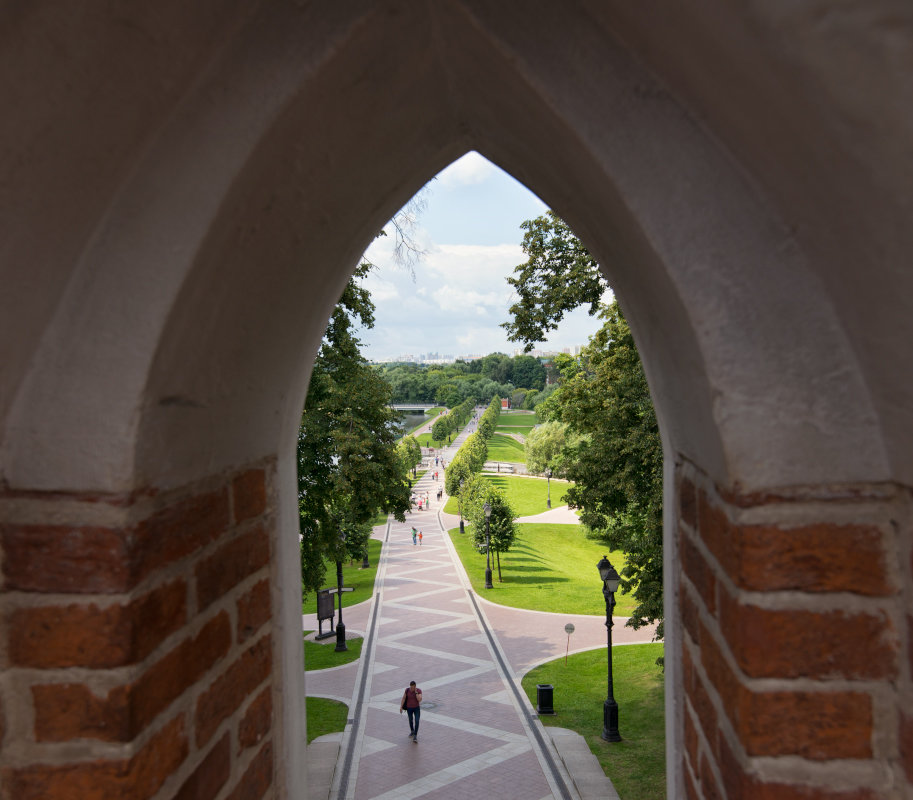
[{"x": 471, "y": 168}]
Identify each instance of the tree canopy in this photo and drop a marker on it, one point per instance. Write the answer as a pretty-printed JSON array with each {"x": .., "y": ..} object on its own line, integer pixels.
[
  {"x": 348, "y": 465},
  {"x": 613, "y": 455}
]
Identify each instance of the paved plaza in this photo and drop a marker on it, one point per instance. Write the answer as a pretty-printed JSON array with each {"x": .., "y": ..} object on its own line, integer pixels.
[{"x": 478, "y": 734}]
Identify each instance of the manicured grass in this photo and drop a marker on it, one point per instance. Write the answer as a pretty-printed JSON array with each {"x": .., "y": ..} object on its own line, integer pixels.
[
  {"x": 323, "y": 655},
  {"x": 549, "y": 568},
  {"x": 433, "y": 412},
  {"x": 517, "y": 423},
  {"x": 325, "y": 716},
  {"x": 637, "y": 764},
  {"x": 361, "y": 580},
  {"x": 505, "y": 448},
  {"x": 425, "y": 440},
  {"x": 527, "y": 496}
]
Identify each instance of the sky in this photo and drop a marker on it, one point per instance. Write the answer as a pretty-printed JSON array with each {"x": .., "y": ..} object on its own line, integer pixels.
[{"x": 470, "y": 232}]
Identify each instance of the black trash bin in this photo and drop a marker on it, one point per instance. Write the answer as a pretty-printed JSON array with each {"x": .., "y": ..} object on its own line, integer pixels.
[{"x": 544, "y": 698}]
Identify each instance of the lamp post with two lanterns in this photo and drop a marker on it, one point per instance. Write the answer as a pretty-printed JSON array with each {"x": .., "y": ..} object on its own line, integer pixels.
[
  {"x": 460, "y": 501},
  {"x": 610, "y": 581},
  {"x": 548, "y": 479}
]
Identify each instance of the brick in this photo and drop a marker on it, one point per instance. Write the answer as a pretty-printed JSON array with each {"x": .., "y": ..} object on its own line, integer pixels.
[
  {"x": 813, "y": 558},
  {"x": 97, "y": 638},
  {"x": 739, "y": 783},
  {"x": 717, "y": 533},
  {"x": 698, "y": 570},
  {"x": 170, "y": 677},
  {"x": 257, "y": 777},
  {"x": 797, "y": 643},
  {"x": 705, "y": 711},
  {"x": 65, "y": 559},
  {"x": 257, "y": 720},
  {"x": 690, "y": 615},
  {"x": 813, "y": 725},
  {"x": 71, "y": 711},
  {"x": 710, "y": 789},
  {"x": 228, "y": 692},
  {"x": 179, "y": 530},
  {"x": 825, "y": 557},
  {"x": 65, "y": 711},
  {"x": 905, "y": 739},
  {"x": 690, "y": 790},
  {"x": 210, "y": 775},
  {"x": 691, "y": 741},
  {"x": 249, "y": 494},
  {"x": 139, "y": 776},
  {"x": 687, "y": 494},
  {"x": 231, "y": 564},
  {"x": 254, "y": 610}
]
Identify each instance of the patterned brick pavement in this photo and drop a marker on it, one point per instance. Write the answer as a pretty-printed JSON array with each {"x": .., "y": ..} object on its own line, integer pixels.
[{"x": 476, "y": 736}]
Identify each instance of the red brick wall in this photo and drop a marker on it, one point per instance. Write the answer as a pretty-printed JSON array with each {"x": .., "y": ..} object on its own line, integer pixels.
[
  {"x": 796, "y": 654},
  {"x": 136, "y": 642}
]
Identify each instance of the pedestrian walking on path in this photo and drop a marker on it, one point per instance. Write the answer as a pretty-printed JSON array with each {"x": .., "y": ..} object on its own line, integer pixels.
[
  {"x": 412, "y": 703},
  {"x": 420, "y": 538},
  {"x": 414, "y": 534}
]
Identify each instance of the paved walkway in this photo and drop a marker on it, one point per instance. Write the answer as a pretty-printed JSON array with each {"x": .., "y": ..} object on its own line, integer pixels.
[{"x": 479, "y": 736}]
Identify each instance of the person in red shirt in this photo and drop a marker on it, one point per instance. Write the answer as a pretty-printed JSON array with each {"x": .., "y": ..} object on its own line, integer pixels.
[{"x": 412, "y": 704}]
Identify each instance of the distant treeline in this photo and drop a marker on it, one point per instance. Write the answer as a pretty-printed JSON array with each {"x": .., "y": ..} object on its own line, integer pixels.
[{"x": 521, "y": 378}]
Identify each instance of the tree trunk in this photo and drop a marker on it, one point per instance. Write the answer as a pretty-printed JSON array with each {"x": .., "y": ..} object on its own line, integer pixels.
[{"x": 498, "y": 555}]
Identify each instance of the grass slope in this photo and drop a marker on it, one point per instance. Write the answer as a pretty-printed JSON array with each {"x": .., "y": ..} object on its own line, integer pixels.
[
  {"x": 549, "y": 568},
  {"x": 527, "y": 496},
  {"x": 361, "y": 580},
  {"x": 636, "y": 765},
  {"x": 505, "y": 448},
  {"x": 324, "y": 716}
]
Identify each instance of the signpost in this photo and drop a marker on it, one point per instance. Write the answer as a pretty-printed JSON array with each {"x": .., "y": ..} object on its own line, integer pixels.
[{"x": 568, "y": 629}]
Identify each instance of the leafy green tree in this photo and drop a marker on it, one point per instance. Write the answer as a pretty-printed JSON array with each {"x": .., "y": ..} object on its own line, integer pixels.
[
  {"x": 502, "y": 528},
  {"x": 440, "y": 428},
  {"x": 559, "y": 276},
  {"x": 528, "y": 372},
  {"x": 616, "y": 460},
  {"x": 348, "y": 468},
  {"x": 546, "y": 447}
]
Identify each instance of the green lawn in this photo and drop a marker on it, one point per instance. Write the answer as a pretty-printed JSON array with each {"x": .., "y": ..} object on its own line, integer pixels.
[
  {"x": 323, "y": 655},
  {"x": 636, "y": 765},
  {"x": 361, "y": 580},
  {"x": 549, "y": 568},
  {"x": 527, "y": 496},
  {"x": 517, "y": 423},
  {"x": 324, "y": 716},
  {"x": 505, "y": 448},
  {"x": 425, "y": 440}
]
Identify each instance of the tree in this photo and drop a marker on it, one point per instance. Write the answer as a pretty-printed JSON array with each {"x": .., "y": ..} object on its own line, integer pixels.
[
  {"x": 528, "y": 372},
  {"x": 559, "y": 276},
  {"x": 501, "y": 526},
  {"x": 603, "y": 398},
  {"x": 348, "y": 468},
  {"x": 440, "y": 428},
  {"x": 546, "y": 448}
]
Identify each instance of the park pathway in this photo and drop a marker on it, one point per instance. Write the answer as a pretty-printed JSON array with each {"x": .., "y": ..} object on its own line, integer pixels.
[{"x": 478, "y": 736}]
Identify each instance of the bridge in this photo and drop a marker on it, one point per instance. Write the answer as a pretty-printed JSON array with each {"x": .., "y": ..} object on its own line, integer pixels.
[{"x": 412, "y": 406}]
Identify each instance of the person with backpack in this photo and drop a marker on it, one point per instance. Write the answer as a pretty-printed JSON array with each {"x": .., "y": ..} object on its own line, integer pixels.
[{"x": 412, "y": 705}]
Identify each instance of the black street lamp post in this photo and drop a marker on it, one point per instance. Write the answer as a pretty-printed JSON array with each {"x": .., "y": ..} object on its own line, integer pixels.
[
  {"x": 340, "y": 627},
  {"x": 487, "y": 509},
  {"x": 462, "y": 529},
  {"x": 548, "y": 480},
  {"x": 610, "y": 581}
]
